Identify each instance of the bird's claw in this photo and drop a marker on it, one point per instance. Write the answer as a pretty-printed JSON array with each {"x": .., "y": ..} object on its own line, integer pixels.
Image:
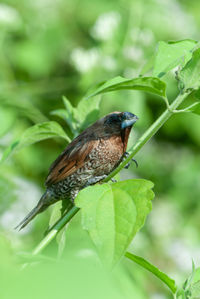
[
  {"x": 127, "y": 165},
  {"x": 95, "y": 180},
  {"x": 114, "y": 180},
  {"x": 126, "y": 154},
  {"x": 136, "y": 163}
]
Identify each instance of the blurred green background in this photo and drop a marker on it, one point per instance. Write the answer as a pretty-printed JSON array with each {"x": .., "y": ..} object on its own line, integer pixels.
[{"x": 51, "y": 48}]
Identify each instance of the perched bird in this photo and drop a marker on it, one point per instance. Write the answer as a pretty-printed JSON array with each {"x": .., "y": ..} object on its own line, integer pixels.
[{"x": 88, "y": 159}]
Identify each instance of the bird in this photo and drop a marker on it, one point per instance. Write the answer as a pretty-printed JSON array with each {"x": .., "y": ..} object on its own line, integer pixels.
[{"x": 87, "y": 160}]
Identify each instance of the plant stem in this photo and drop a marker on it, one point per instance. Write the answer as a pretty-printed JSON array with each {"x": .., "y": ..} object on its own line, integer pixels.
[
  {"x": 139, "y": 144},
  {"x": 59, "y": 225},
  {"x": 149, "y": 133}
]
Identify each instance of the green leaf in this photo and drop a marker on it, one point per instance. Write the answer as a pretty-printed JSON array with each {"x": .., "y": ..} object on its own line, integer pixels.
[
  {"x": 57, "y": 212},
  {"x": 149, "y": 84},
  {"x": 68, "y": 114},
  {"x": 35, "y": 134},
  {"x": 191, "y": 286},
  {"x": 197, "y": 274},
  {"x": 194, "y": 108},
  {"x": 88, "y": 112},
  {"x": 171, "y": 54},
  {"x": 110, "y": 213},
  {"x": 80, "y": 117},
  {"x": 195, "y": 290},
  {"x": 62, "y": 113},
  {"x": 189, "y": 75},
  {"x": 154, "y": 270},
  {"x": 24, "y": 108},
  {"x": 142, "y": 195},
  {"x": 148, "y": 66},
  {"x": 41, "y": 132},
  {"x": 71, "y": 116},
  {"x": 109, "y": 217}
]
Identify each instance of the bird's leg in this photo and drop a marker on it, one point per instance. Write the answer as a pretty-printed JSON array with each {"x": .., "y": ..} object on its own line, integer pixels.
[
  {"x": 126, "y": 154},
  {"x": 95, "y": 180}
]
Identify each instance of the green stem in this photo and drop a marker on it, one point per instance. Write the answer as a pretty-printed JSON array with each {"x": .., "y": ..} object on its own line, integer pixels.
[
  {"x": 149, "y": 133},
  {"x": 59, "y": 225},
  {"x": 144, "y": 138}
]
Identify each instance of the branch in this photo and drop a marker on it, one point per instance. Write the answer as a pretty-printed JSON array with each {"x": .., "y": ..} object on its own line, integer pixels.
[
  {"x": 56, "y": 228},
  {"x": 139, "y": 144},
  {"x": 149, "y": 133}
]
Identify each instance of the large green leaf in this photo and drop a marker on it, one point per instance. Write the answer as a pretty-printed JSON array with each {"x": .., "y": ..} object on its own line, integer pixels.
[
  {"x": 171, "y": 54},
  {"x": 109, "y": 217},
  {"x": 112, "y": 214},
  {"x": 189, "y": 75},
  {"x": 142, "y": 195},
  {"x": 149, "y": 84},
  {"x": 35, "y": 134},
  {"x": 154, "y": 270},
  {"x": 195, "y": 108}
]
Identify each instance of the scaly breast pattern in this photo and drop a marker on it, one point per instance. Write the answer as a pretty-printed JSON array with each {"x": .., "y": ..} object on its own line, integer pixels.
[{"x": 100, "y": 161}]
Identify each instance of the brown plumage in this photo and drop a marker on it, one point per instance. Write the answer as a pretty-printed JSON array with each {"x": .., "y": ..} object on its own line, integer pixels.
[{"x": 88, "y": 159}]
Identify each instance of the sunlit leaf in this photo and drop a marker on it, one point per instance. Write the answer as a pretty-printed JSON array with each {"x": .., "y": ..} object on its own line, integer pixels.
[
  {"x": 68, "y": 115},
  {"x": 112, "y": 214},
  {"x": 140, "y": 191},
  {"x": 195, "y": 108},
  {"x": 148, "y": 84},
  {"x": 148, "y": 66},
  {"x": 191, "y": 286},
  {"x": 189, "y": 76},
  {"x": 154, "y": 270},
  {"x": 171, "y": 54}
]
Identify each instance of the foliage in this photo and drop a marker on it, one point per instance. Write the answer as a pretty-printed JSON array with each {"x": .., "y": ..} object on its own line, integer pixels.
[
  {"x": 44, "y": 58},
  {"x": 112, "y": 214}
]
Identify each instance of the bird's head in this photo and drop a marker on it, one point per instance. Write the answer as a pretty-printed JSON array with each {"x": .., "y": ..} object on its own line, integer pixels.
[{"x": 119, "y": 121}]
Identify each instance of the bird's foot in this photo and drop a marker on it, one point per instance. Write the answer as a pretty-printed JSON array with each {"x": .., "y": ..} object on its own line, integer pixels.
[
  {"x": 113, "y": 180},
  {"x": 126, "y": 154},
  {"x": 95, "y": 180}
]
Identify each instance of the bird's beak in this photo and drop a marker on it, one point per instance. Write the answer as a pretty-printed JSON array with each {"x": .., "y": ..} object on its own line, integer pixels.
[{"x": 129, "y": 122}]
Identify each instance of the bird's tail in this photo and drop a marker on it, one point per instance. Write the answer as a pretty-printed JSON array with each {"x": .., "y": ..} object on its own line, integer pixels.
[{"x": 41, "y": 206}]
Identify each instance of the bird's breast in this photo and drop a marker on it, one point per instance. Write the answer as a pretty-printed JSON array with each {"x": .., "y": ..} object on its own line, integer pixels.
[{"x": 106, "y": 155}]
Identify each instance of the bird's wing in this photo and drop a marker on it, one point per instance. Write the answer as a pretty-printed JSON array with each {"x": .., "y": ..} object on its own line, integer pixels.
[{"x": 74, "y": 157}]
